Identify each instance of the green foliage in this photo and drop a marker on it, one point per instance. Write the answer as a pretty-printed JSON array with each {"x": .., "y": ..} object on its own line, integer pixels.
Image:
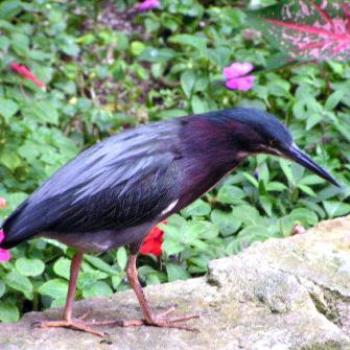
[{"x": 102, "y": 76}]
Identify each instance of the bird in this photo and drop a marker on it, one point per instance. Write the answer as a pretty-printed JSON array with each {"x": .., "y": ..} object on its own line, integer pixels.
[{"x": 111, "y": 194}]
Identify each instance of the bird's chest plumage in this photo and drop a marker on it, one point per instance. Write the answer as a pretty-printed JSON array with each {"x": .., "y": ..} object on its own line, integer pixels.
[{"x": 199, "y": 176}]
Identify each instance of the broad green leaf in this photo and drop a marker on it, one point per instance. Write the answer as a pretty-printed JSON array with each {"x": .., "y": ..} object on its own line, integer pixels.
[
  {"x": 302, "y": 216},
  {"x": 98, "y": 289},
  {"x": 10, "y": 159},
  {"x": 20, "y": 43},
  {"x": 56, "y": 288},
  {"x": 225, "y": 221},
  {"x": 62, "y": 267},
  {"x": 30, "y": 267},
  {"x": 88, "y": 278},
  {"x": 117, "y": 280},
  {"x": 8, "y": 312},
  {"x": 188, "y": 80},
  {"x": 253, "y": 233},
  {"x": 229, "y": 194},
  {"x": 157, "y": 55},
  {"x": 246, "y": 214},
  {"x": 8, "y": 108},
  {"x": 197, "y": 42},
  {"x": 122, "y": 257},
  {"x": 100, "y": 264},
  {"x": 336, "y": 208},
  {"x": 199, "y": 105},
  {"x": 20, "y": 283},
  {"x": 197, "y": 208},
  {"x": 176, "y": 272},
  {"x": 286, "y": 168},
  {"x": 2, "y": 288},
  {"x": 42, "y": 111},
  {"x": 9, "y": 9}
]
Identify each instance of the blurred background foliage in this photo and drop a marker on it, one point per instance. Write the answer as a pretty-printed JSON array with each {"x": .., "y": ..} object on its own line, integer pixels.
[{"x": 107, "y": 69}]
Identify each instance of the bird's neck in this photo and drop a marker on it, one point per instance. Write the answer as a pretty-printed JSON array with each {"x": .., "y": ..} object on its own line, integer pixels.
[
  {"x": 213, "y": 142},
  {"x": 209, "y": 156}
]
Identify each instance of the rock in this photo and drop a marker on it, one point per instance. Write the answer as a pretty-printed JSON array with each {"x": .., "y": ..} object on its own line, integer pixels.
[{"x": 290, "y": 293}]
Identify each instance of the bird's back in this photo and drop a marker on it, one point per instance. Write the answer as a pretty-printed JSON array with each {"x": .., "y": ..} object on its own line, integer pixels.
[{"x": 116, "y": 183}]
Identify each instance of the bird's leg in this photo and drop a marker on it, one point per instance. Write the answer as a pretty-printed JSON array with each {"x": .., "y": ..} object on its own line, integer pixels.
[
  {"x": 151, "y": 319},
  {"x": 68, "y": 321}
]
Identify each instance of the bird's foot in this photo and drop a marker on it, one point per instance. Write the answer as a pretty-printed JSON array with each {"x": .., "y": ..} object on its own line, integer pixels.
[
  {"x": 163, "y": 321},
  {"x": 156, "y": 320},
  {"x": 74, "y": 323}
]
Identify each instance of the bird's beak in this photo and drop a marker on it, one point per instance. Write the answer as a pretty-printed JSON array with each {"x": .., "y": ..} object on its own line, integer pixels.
[{"x": 298, "y": 156}]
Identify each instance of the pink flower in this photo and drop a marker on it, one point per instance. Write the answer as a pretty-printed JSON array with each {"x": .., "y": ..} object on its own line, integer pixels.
[
  {"x": 4, "y": 254},
  {"x": 241, "y": 84},
  {"x": 147, "y": 5},
  {"x": 2, "y": 202},
  {"x": 237, "y": 78},
  {"x": 24, "y": 72}
]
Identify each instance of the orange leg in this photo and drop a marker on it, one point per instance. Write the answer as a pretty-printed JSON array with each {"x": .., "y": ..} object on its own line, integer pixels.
[
  {"x": 68, "y": 321},
  {"x": 149, "y": 318}
]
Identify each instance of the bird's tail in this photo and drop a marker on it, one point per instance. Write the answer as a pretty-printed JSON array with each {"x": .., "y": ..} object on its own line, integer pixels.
[{"x": 14, "y": 229}]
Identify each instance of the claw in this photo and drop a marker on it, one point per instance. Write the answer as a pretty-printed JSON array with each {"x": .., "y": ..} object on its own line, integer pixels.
[
  {"x": 159, "y": 320},
  {"x": 76, "y": 324}
]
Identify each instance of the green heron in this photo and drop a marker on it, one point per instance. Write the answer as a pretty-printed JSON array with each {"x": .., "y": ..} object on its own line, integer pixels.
[{"x": 114, "y": 192}]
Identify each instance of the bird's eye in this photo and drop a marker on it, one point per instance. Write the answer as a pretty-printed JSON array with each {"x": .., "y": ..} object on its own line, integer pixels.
[{"x": 273, "y": 143}]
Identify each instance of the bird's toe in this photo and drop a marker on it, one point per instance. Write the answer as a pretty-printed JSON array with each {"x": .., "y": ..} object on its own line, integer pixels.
[{"x": 76, "y": 324}]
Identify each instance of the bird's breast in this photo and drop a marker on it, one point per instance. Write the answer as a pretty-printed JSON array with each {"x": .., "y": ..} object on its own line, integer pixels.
[{"x": 199, "y": 177}]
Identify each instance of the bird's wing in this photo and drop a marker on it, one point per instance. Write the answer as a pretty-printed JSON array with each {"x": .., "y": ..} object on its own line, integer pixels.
[{"x": 124, "y": 180}]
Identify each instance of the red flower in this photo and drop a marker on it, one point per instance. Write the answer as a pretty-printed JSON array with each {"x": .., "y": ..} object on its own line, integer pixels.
[
  {"x": 153, "y": 242},
  {"x": 27, "y": 74}
]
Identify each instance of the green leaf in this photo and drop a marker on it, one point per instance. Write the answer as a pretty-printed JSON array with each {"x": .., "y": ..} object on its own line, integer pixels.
[
  {"x": 229, "y": 194},
  {"x": 8, "y": 108},
  {"x": 151, "y": 54},
  {"x": 199, "y": 105},
  {"x": 100, "y": 264},
  {"x": 122, "y": 257},
  {"x": 188, "y": 80},
  {"x": 303, "y": 216},
  {"x": 88, "y": 278},
  {"x": 253, "y": 233},
  {"x": 137, "y": 47},
  {"x": 20, "y": 283},
  {"x": 117, "y": 280},
  {"x": 62, "y": 267},
  {"x": 30, "y": 267},
  {"x": 334, "y": 99},
  {"x": 9, "y": 9},
  {"x": 286, "y": 168},
  {"x": 247, "y": 214},
  {"x": 197, "y": 42},
  {"x": 20, "y": 43},
  {"x": 42, "y": 111},
  {"x": 56, "y": 288},
  {"x": 10, "y": 159},
  {"x": 336, "y": 208},
  {"x": 98, "y": 289},
  {"x": 176, "y": 272},
  {"x": 201, "y": 230},
  {"x": 8, "y": 312},
  {"x": 2, "y": 288},
  {"x": 197, "y": 208},
  {"x": 226, "y": 222}
]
